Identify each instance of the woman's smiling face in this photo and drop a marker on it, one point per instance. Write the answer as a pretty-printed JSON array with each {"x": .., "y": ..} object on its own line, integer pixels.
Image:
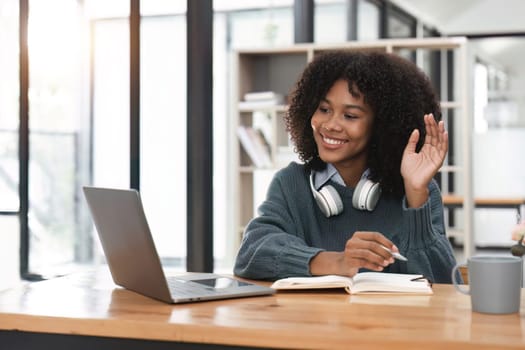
[{"x": 342, "y": 127}]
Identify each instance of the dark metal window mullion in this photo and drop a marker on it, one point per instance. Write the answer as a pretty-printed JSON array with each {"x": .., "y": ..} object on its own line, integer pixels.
[
  {"x": 199, "y": 18},
  {"x": 134, "y": 93},
  {"x": 352, "y": 19},
  {"x": 384, "y": 10},
  {"x": 23, "y": 139},
  {"x": 303, "y": 21}
]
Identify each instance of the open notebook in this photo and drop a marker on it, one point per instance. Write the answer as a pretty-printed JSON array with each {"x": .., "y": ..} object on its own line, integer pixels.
[
  {"x": 364, "y": 282},
  {"x": 133, "y": 260}
]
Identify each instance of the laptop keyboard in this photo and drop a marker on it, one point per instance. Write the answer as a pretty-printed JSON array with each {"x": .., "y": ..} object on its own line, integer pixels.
[{"x": 187, "y": 288}]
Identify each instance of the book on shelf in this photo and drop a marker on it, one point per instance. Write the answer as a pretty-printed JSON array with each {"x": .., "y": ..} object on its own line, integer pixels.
[
  {"x": 262, "y": 145},
  {"x": 264, "y": 96},
  {"x": 255, "y": 145},
  {"x": 261, "y": 99},
  {"x": 361, "y": 283}
]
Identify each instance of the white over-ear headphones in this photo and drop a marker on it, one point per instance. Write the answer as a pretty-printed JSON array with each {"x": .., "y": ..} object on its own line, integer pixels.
[{"x": 365, "y": 197}]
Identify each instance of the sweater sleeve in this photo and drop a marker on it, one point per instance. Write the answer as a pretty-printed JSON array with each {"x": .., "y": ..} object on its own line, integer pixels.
[
  {"x": 425, "y": 244},
  {"x": 273, "y": 246}
]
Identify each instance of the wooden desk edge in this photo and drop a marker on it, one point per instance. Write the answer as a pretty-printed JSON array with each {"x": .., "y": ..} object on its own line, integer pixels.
[{"x": 502, "y": 201}]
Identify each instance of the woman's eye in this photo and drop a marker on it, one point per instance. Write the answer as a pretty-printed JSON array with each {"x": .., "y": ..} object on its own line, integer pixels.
[
  {"x": 349, "y": 116},
  {"x": 323, "y": 109}
]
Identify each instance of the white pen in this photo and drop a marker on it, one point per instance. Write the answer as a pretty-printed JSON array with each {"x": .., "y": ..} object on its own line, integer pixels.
[{"x": 395, "y": 255}]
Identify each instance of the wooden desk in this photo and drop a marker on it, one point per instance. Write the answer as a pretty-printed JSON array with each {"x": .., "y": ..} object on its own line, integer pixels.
[{"x": 88, "y": 312}]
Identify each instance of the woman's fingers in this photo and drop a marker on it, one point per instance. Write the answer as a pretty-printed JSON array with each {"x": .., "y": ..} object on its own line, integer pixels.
[{"x": 368, "y": 250}]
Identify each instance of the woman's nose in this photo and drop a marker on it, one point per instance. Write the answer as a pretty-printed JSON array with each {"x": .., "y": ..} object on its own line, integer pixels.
[{"x": 332, "y": 124}]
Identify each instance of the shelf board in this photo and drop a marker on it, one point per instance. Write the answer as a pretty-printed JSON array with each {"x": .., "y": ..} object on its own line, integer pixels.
[
  {"x": 450, "y": 168},
  {"x": 450, "y": 104}
]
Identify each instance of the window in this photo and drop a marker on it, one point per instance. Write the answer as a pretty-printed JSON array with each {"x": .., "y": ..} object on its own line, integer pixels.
[
  {"x": 9, "y": 170},
  {"x": 56, "y": 105},
  {"x": 330, "y": 21},
  {"x": 261, "y": 27},
  {"x": 9, "y": 110},
  {"x": 368, "y": 21},
  {"x": 162, "y": 126},
  {"x": 401, "y": 25},
  {"x": 163, "y": 133}
]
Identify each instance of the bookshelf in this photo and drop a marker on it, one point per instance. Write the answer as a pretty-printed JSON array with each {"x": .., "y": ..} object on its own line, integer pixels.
[{"x": 277, "y": 69}]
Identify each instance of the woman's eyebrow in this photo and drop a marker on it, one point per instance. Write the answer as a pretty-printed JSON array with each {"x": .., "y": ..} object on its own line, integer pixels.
[
  {"x": 346, "y": 106},
  {"x": 352, "y": 106}
]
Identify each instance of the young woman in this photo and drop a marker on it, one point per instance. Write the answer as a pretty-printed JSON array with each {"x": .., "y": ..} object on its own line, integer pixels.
[{"x": 366, "y": 126}]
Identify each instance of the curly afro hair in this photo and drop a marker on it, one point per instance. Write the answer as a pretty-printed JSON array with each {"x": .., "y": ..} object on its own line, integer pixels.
[{"x": 397, "y": 91}]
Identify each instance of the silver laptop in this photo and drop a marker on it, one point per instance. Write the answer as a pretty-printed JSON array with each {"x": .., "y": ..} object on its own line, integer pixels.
[{"x": 134, "y": 262}]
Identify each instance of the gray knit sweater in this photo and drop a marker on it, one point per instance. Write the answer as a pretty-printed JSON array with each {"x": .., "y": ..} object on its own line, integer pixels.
[{"x": 290, "y": 230}]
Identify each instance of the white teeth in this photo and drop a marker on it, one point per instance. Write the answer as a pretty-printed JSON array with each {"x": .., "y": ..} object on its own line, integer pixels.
[{"x": 332, "y": 141}]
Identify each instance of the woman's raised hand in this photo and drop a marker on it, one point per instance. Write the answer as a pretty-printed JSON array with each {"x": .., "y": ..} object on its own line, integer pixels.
[{"x": 418, "y": 168}]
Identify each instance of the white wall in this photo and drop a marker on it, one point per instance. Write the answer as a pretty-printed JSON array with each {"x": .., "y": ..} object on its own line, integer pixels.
[
  {"x": 499, "y": 171},
  {"x": 468, "y": 16},
  {"x": 9, "y": 251},
  {"x": 517, "y": 88},
  {"x": 498, "y": 157},
  {"x": 487, "y": 16}
]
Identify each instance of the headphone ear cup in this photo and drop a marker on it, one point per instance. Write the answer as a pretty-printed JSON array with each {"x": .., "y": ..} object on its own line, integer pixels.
[
  {"x": 334, "y": 202},
  {"x": 357, "y": 194},
  {"x": 327, "y": 199},
  {"x": 322, "y": 203},
  {"x": 366, "y": 195},
  {"x": 373, "y": 196}
]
